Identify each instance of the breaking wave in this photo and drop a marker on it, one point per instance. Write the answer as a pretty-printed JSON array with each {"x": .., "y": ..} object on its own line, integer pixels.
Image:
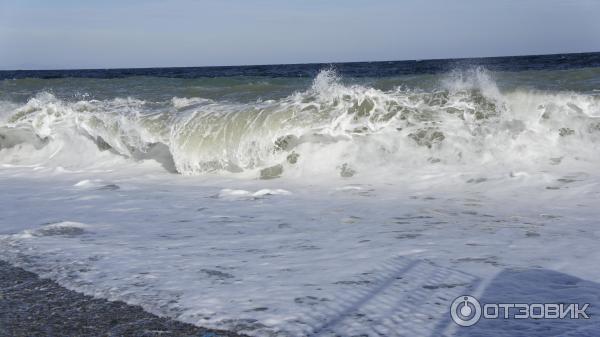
[{"x": 330, "y": 129}]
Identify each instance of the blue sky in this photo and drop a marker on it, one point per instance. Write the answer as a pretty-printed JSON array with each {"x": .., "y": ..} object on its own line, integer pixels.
[{"x": 42, "y": 34}]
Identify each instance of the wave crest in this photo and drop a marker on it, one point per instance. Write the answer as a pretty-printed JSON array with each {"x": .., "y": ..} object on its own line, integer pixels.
[{"x": 330, "y": 128}]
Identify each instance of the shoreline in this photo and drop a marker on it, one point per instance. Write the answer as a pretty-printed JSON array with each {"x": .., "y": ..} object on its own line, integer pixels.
[{"x": 32, "y": 306}]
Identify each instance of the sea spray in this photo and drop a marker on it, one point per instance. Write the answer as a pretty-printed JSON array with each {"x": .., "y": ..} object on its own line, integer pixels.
[{"x": 331, "y": 128}]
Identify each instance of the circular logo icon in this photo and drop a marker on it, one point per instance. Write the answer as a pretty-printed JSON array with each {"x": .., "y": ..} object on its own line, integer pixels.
[{"x": 465, "y": 310}]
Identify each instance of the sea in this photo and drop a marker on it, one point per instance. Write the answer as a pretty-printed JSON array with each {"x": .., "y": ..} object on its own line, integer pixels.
[{"x": 341, "y": 199}]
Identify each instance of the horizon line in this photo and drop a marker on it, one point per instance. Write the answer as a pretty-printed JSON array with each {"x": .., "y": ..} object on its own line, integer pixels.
[{"x": 307, "y": 63}]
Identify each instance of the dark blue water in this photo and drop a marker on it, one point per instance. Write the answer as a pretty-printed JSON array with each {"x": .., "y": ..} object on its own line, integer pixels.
[{"x": 354, "y": 69}]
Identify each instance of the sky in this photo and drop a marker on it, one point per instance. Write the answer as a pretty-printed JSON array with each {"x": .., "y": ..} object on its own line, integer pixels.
[{"x": 67, "y": 34}]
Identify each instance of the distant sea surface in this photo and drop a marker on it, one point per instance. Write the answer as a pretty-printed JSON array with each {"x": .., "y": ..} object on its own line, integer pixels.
[{"x": 350, "y": 69}]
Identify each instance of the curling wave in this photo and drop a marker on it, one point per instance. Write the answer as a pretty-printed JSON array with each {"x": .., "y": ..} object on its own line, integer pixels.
[{"x": 330, "y": 129}]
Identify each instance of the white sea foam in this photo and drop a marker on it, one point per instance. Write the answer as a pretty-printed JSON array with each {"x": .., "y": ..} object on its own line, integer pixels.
[
  {"x": 88, "y": 183},
  {"x": 259, "y": 260},
  {"x": 64, "y": 228},
  {"x": 243, "y": 194}
]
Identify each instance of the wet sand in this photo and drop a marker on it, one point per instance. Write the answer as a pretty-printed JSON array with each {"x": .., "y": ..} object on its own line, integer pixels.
[{"x": 31, "y": 306}]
